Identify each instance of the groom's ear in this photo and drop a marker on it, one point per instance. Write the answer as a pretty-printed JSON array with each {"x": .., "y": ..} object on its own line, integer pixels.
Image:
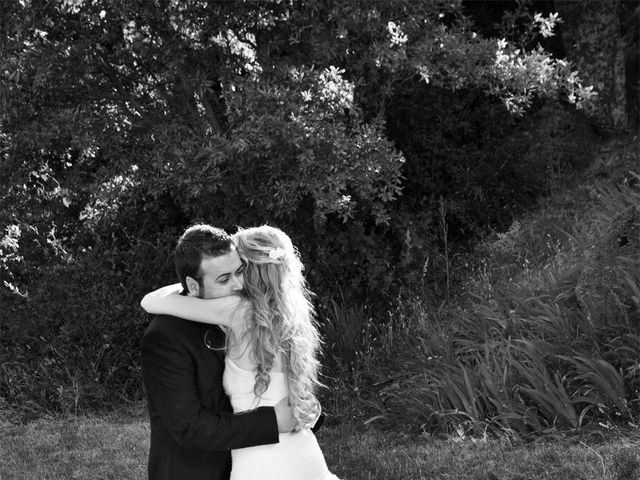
[{"x": 192, "y": 286}]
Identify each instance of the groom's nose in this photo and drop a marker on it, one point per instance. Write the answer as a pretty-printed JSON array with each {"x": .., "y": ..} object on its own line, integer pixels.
[{"x": 238, "y": 283}]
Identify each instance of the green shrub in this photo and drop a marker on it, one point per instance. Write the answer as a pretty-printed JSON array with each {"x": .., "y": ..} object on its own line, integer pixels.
[
  {"x": 385, "y": 138},
  {"x": 548, "y": 336},
  {"x": 71, "y": 344}
]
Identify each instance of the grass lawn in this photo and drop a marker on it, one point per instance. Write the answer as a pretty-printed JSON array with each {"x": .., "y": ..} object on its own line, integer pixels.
[{"x": 115, "y": 447}]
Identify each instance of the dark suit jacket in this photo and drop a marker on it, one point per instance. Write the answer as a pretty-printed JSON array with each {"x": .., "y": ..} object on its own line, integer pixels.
[{"x": 192, "y": 424}]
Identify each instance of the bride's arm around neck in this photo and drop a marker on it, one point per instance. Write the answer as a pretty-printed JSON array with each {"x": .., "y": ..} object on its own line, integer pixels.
[{"x": 231, "y": 311}]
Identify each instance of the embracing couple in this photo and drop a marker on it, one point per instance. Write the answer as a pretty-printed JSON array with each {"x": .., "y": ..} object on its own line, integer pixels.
[{"x": 230, "y": 362}]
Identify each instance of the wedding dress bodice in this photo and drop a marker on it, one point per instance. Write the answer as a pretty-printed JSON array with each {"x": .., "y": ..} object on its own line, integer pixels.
[{"x": 297, "y": 456}]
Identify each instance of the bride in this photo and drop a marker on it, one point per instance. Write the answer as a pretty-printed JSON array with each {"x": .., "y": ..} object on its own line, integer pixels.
[{"x": 271, "y": 351}]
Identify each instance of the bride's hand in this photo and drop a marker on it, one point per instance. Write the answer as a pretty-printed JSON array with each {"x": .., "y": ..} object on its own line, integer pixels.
[{"x": 284, "y": 415}]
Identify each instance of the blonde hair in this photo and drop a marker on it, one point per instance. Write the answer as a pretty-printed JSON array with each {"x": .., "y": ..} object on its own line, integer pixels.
[{"x": 283, "y": 316}]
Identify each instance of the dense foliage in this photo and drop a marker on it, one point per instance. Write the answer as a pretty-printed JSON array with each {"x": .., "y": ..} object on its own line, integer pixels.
[
  {"x": 386, "y": 137},
  {"x": 549, "y": 337}
]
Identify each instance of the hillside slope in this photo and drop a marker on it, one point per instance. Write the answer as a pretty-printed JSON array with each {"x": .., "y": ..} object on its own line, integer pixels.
[{"x": 547, "y": 333}]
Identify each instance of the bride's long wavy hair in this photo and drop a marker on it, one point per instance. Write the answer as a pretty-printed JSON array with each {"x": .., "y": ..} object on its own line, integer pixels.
[{"x": 283, "y": 316}]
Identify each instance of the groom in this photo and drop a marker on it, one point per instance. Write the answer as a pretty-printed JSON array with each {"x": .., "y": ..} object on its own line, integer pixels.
[{"x": 193, "y": 428}]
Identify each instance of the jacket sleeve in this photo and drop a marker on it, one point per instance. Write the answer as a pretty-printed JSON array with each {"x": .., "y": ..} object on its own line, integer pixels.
[{"x": 169, "y": 379}]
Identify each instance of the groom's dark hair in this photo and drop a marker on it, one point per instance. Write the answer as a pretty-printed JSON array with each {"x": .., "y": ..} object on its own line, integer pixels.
[{"x": 197, "y": 243}]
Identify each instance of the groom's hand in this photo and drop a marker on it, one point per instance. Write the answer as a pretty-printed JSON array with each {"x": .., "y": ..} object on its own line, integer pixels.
[{"x": 284, "y": 415}]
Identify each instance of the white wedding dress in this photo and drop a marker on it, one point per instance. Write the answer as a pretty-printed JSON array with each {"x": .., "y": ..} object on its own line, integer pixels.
[{"x": 296, "y": 457}]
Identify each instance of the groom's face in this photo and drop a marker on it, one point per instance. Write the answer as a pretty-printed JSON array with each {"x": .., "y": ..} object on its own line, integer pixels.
[{"x": 221, "y": 276}]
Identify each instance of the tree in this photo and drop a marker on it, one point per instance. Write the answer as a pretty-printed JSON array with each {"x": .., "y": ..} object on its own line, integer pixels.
[
  {"x": 173, "y": 108},
  {"x": 629, "y": 13},
  {"x": 122, "y": 122},
  {"x": 601, "y": 39}
]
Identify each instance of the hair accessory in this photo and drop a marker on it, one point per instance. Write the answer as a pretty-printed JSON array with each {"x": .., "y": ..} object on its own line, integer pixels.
[{"x": 276, "y": 253}]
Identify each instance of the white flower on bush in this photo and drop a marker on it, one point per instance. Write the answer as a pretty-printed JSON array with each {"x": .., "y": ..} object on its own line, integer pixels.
[
  {"x": 344, "y": 201},
  {"x": 10, "y": 240},
  {"x": 546, "y": 25},
  {"x": 520, "y": 75},
  {"x": 334, "y": 89},
  {"x": 397, "y": 36}
]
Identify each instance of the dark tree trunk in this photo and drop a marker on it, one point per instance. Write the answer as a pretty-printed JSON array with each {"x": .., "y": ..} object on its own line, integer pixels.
[{"x": 629, "y": 30}]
